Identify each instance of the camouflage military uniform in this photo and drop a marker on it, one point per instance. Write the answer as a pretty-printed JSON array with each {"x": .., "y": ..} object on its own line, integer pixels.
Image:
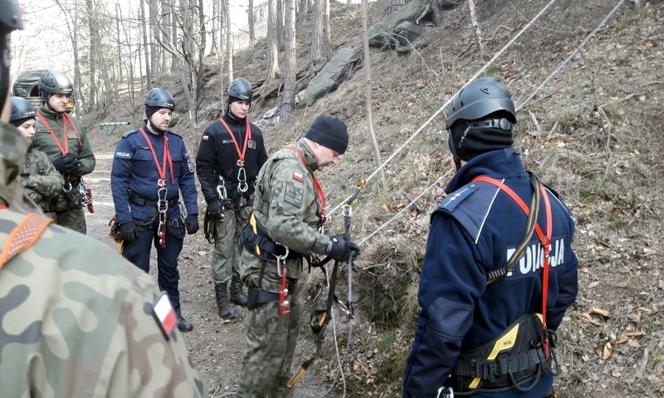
[
  {"x": 41, "y": 182},
  {"x": 74, "y": 323},
  {"x": 286, "y": 205},
  {"x": 69, "y": 211}
]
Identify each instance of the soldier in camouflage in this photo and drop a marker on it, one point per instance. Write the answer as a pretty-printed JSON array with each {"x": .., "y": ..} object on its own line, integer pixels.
[
  {"x": 41, "y": 182},
  {"x": 65, "y": 140},
  {"x": 289, "y": 209},
  {"x": 76, "y": 319}
]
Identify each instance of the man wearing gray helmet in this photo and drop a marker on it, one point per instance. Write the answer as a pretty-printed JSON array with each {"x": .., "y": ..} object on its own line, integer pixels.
[
  {"x": 65, "y": 140},
  {"x": 499, "y": 270},
  {"x": 230, "y": 154}
]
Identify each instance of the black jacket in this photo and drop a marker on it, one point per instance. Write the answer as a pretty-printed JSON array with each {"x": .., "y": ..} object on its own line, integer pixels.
[{"x": 217, "y": 156}]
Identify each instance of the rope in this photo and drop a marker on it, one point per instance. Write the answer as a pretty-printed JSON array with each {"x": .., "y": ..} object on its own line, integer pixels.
[
  {"x": 435, "y": 114},
  {"x": 571, "y": 55}
]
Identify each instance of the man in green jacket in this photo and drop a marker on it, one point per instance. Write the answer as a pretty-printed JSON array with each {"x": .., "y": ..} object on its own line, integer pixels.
[
  {"x": 289, "y": 210},
  {"x": 76, "y": 319},
  {"x": 65, "y": 140},
  {"x": 41, "y": 182}
]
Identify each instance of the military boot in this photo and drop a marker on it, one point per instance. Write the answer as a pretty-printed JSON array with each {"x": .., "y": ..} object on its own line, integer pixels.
[
  {"x": 183, "y": 324},
  {"x": 226, "y": 310},
  {"x": 237, "y": 295}
]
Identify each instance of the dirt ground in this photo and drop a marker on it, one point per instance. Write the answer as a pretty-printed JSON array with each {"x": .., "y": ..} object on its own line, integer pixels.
[{"x": 593, "y": 133}]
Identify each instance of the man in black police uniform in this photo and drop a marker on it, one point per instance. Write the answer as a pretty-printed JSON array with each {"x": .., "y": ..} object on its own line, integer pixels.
[
  {"x": 484, "y": 325},
  {"x": 229, "y": 157},
  {"x": 150, "y": 168}
]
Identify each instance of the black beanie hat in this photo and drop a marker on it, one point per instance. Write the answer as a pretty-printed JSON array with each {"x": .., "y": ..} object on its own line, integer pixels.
[
  {"x": 330, "y": 132},
  {"x": 465, "y": 143},
  {"x": 150, "y": 110}
]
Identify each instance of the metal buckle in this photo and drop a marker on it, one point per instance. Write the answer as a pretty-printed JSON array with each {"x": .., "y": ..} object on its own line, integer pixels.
[
  {"x": 281, "y": 258},
  {"x": 242, "y": 184},
  {"x": 162, "y": 203},
  {"x": 67, "y": 187}
]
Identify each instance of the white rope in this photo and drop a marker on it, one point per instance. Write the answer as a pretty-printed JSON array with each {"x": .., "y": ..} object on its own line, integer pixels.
[
  {"x": 435, "y": 114},
  {"x": 412, "y": 202},
  {"x": 571, "y": 55}
]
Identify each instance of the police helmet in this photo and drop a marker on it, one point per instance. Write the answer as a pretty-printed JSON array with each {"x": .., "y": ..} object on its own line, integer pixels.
[
  {"x": 54, "y": 82},
  {"x": 159, "y": 98},
  {"x": 240, "y": 88},
  {"x": 479, "y": 99},
  {"x": 21, "y": 109}
]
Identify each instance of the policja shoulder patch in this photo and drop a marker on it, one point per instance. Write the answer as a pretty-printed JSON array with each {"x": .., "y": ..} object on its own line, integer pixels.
[{"x": 164, "y": 314}]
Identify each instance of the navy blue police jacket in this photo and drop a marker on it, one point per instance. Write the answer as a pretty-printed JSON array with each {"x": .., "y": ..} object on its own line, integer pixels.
[
  {"x": 134, "y": 171},
  {"x": 475, "y": 230}
]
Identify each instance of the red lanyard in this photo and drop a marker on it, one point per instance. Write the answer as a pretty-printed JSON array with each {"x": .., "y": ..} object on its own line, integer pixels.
[
  {"x": 64, "y": 149},
  {"x": 320, "y": 194},
  {"x": 165, "y": 159},
  {"x": 545, "y": 240},
  {"x": 247, "y": 137}
]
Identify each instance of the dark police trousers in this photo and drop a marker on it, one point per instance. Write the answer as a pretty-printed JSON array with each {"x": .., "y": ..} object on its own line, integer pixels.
[{"x": 138, "y": 252}]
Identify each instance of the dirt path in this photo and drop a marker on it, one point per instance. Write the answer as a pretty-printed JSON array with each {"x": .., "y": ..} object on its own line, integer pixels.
[{"x": 217, "y": 347}]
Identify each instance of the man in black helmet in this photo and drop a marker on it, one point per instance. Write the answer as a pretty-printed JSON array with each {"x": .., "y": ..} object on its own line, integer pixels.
[
  {"x": 495, "y": 282},
  {"x": 230, "y": 154},
  {"x": 65, "y": 140},
  {"x": 150, "y": 168}
]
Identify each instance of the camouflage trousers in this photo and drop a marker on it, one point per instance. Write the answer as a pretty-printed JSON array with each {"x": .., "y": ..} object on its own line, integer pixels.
[
  {"x": 73, "y": 219},
  {"x": 226, "y": 254},
  {"x": 271, "y": 340}
]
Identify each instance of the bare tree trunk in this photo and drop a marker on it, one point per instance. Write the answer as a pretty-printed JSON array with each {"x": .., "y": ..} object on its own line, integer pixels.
[
  {"x": 229, "y": 42},
  {"x": 118, "y": 41},
  {"x": 174, "y": 33},
  {"x": 93, "y": 59},
  {"x": 318, "y": 42},
  {"x": 476, "y": 25},
  {"x": 288, "y": 95},
  {"x": 131, "y": 61},
  {"x": 215, "y": 27},
  {"x": 222, "y": 48},
  {"x": 252, "y": 32},
  {"x": 326, "y": 28},
  {"x": 154, "y": 37},
  {"x": 72, "y": 20},
  {"x": 146, "y": 45},
  {"x": 367, "y": 78},
  {"x": 280, "y": 24},
  {"x": 349, "y": 3},
  {"x": 200, "y": 69},
  {"x": 272, "y": 48},
  {"x": 164, "y": 26},
  {"x": 187, "y": 51},
  {"x": 302, "y": 10}
]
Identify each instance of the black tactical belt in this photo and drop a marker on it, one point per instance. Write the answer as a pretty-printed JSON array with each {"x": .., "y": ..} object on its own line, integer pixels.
[
  {"x": 268, "y": 250},
  {"x": 141, "y": 201}
]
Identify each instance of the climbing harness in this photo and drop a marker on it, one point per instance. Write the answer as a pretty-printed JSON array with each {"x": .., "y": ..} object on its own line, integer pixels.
[
  {"x": 162, "y": 189},
  {"x": 242, "y": 184}
]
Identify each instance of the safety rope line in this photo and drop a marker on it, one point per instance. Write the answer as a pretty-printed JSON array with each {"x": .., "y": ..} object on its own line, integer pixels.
[
  {"x": 435, "y": 114},
  {"x": 571, "y": 55}
]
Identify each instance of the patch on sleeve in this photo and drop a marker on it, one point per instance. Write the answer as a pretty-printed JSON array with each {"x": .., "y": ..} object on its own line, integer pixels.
[
  {"x": 164, "y": 314},
  {"x": 297, "y": 176},
  {"x": 293, "y": 194},
  {"x": 123, "y": 155},
  {"x": 205, "y": 137},
  {"x": 251, "y": 144}
]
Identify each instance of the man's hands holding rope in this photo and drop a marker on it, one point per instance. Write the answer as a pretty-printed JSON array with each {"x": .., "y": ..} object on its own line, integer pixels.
[{"x": 340, "y": 248}]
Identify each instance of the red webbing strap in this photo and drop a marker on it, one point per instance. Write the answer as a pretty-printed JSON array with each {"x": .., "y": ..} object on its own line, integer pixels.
[
  {"x": 63, "y": 147},
  {"x": 545, "y": 240},
  {"x": 166, "y": 157},
  {"x": 247, "y": 136},
  {"x": 23, "y": 236},
  {"x": 320, "y": 194}
]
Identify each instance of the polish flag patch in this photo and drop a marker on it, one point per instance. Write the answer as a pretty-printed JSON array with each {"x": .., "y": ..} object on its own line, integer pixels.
[
  {"x": 165, "y": 314},
  {"x": 297, "y": 176},
  {"x": 205, "y": 138}
]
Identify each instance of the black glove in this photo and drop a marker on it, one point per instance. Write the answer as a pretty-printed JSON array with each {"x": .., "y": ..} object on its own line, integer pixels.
[
  {"x": 128, "y": 232},
  {"x": 340, "y": 248},
  {"x": 75, "y": 168},
  {"x": 64, "y": 163},
  {"x": 214, "y": 210},
  {"x": 191, "y": 223}
]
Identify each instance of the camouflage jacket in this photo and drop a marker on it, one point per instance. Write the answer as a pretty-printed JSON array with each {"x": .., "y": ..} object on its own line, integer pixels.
[
  {"x": 74, "y": 323},
  {"x": 285, "y": 205},
  {"x": 43, "y": 141},
  {"x": 41, "y": 182}
]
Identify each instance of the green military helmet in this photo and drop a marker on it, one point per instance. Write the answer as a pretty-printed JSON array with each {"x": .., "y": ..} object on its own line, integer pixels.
[
  {"x": 240, "y": 88},
  {"x": 159, "y": 98},
  {"x": 479, "y": 99},
  {"x": 54, "y": 81},
  {"x": 22, "y": 109}
]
